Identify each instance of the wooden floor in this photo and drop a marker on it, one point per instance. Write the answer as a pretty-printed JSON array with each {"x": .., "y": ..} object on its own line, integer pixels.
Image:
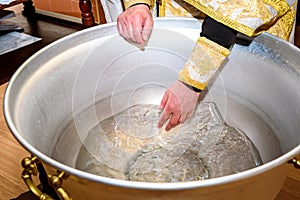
[{"x": 11, "y": 153}]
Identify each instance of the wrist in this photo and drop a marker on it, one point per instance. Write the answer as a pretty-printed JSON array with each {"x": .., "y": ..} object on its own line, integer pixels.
[{"x": 197, "y": 90}]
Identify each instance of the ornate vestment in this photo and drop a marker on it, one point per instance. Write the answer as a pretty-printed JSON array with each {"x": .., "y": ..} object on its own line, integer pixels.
[{"x": 250, "y": 17}]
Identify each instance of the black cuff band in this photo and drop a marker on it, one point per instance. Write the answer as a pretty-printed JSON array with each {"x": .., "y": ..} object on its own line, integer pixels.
[
  {"x": 191, "y": 87},
  {"x": 140, "y": 4},
  {"x": 218, "y": 32}
]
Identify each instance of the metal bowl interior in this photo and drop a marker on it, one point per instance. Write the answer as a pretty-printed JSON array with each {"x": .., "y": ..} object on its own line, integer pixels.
[{"x": 59, "y": 94}]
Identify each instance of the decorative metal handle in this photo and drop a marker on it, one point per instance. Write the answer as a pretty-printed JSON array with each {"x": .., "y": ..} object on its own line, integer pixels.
[
  {"x": 55, "y": 181},
  {"x": 296, "y": 162}
]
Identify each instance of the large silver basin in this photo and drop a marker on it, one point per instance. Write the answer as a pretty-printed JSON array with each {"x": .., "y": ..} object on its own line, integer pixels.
[{"x": 59, "y": 94}]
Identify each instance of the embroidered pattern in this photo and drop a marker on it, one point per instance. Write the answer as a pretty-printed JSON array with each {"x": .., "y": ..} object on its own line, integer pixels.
[{"x": 203, "y": 63}]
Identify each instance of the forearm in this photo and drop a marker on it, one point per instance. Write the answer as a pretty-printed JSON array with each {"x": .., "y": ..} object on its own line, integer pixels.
[
  {"x": 218, "y": 33},
  {"x": 209, "y": 52}
]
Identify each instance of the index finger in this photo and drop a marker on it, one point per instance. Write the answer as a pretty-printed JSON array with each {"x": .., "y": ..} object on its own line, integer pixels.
[
  {"x": 147, "y": 29},
  {"x": 174, "y": 121},
  {"x": 137, "y": 30},
  {"x": 163, "y": 118}
]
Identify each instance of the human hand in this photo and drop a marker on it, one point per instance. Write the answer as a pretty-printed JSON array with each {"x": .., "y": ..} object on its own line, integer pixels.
[
  {"x": 135, "y": 24},
  {"x": 178, "y": 104}
]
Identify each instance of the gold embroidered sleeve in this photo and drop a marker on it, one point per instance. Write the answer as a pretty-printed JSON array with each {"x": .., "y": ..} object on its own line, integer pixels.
[
  {"x": 250, "y": 17},
  {"x": 206, "y": 58},
  {"x": 128, "y": 3}
]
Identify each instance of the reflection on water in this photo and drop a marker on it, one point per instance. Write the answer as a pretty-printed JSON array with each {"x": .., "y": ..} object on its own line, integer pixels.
[{"x": 129, "y": 146}]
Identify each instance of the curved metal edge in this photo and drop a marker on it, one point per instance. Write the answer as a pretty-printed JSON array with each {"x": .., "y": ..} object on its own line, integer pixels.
[{"x": 129, "y": 184}]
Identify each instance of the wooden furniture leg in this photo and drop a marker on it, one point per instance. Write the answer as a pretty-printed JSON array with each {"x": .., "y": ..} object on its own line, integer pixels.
[
  {"x": 86, "y": 13},
  {"x": 28, "y": 9}
]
